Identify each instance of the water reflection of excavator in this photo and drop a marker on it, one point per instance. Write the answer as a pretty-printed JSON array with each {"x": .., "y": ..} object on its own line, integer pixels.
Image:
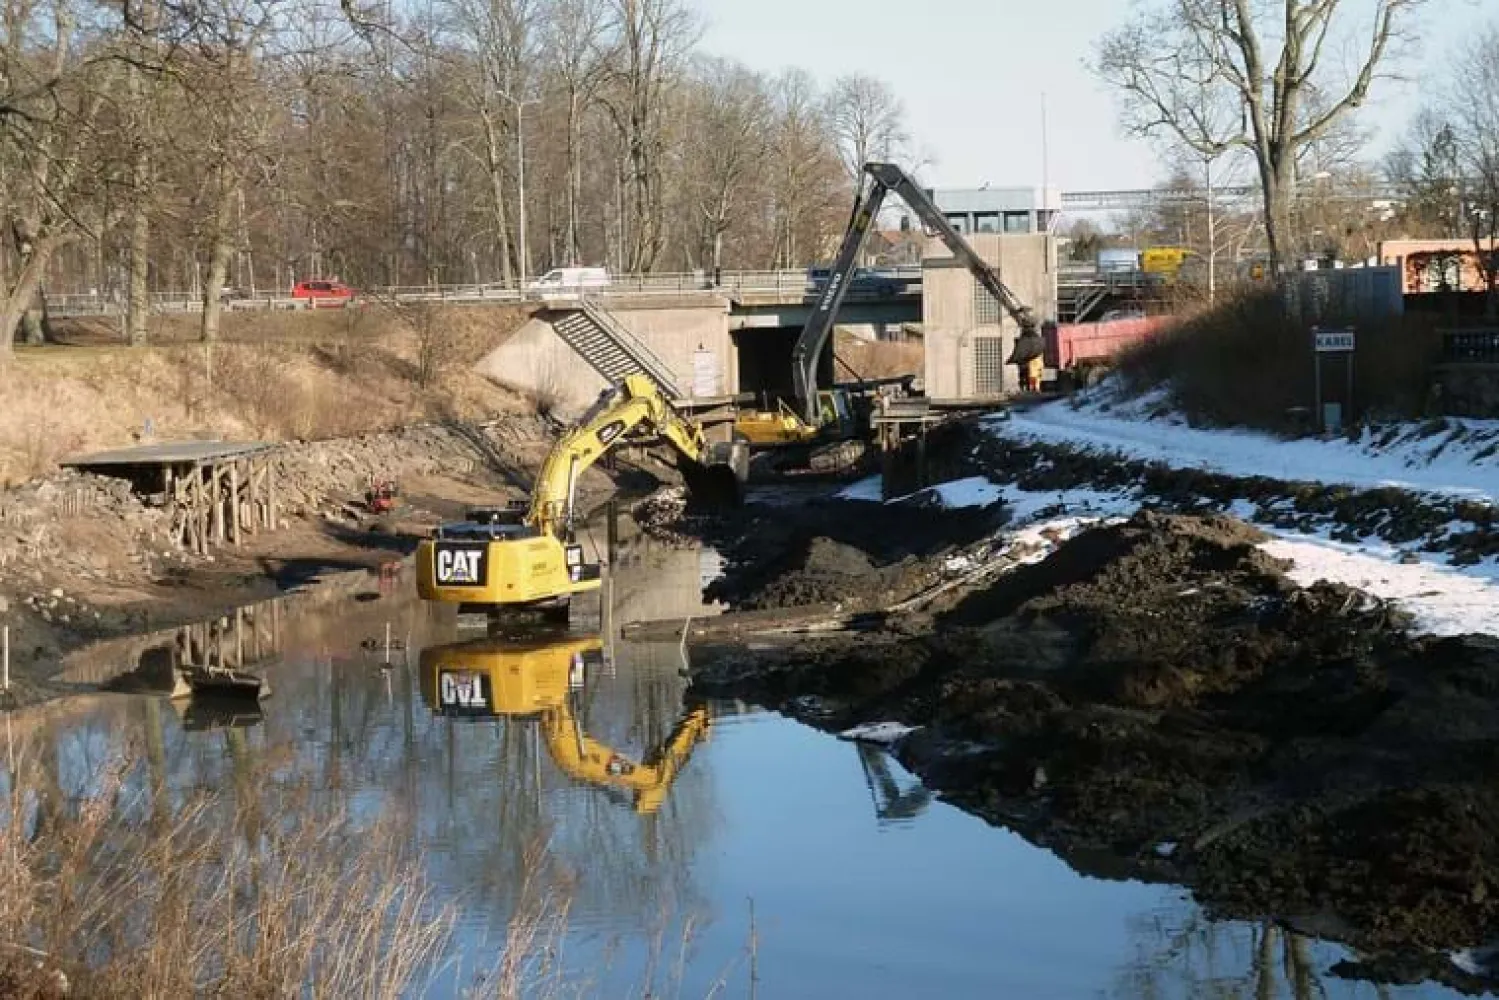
[
  {"x": 539, "y": 678},
  {"x": 528, "y": 556}
]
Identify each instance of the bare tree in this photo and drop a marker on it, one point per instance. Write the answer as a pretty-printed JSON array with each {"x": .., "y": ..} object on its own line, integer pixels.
[
  {"x": 654, "y": 36},
  {"x": 868, "y": 122},
  {"x": 576, "y": 48},
  {"x": 175, "y": 142},
  {"x": 1427, "y": 168},
  {"x": 233, "y": 115},
  {"x": 809, "y": 189},
  {"x": 502, "y": 34},
  {"x": 1180, "y": 64},
  {"x": 52, "y": 99},
  {"x": 1476, "y": 134},
  {"x": 731, "y": 130}
]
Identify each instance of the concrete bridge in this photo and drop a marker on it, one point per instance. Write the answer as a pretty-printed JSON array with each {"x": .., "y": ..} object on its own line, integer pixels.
[
  {"x": 702, "y": 343},
  {"x": 737, "y": 337}
]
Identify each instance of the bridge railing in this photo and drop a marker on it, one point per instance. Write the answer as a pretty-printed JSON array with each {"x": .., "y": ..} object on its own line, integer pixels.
[{"x": 781, "y": 282}]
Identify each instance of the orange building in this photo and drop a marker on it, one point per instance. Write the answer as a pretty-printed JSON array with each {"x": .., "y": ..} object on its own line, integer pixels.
[{"x": 1428, "y": 266}]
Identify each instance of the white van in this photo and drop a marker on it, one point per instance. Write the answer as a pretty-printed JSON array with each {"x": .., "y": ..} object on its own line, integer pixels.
[{"x": 561, "y": 282}]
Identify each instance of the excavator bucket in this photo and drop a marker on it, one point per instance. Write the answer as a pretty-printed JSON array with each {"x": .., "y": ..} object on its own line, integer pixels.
[{"x": 718, "y": 481}]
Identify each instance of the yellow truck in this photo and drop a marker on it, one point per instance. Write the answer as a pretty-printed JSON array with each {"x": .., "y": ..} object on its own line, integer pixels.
[{"x": 1165, "y": 261}]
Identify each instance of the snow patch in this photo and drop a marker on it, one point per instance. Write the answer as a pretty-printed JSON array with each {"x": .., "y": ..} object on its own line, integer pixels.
[
  {"x": 1443, "y": 601},
  {"x": 975, "y": 491},
  {"x": 1452, "y": 461},
  {"x": 882, "y": 733},
  {"x": 866, "y": 490},
  {"x": 1478, "y": 962}
]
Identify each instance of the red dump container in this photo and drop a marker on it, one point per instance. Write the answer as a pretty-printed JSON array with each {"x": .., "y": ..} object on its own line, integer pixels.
[{"x": 1070, "y": 344}]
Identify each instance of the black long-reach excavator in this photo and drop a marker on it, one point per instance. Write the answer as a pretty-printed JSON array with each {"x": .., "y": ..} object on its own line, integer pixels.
[
  {"x": 537, "y": 679},
  {"x": 883, "y": 179}
]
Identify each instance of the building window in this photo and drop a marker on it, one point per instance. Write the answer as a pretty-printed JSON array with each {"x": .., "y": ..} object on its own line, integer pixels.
[
  {"x": 1017, "y": 222},
  {"x": 985, "y": 307},
  {"x": 958, "y": 221},
  {"x": 988, "y": 366},
  {"x": 986, "y": 222}
]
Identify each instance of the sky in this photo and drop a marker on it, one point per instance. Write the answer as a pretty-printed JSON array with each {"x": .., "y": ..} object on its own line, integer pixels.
[{"x": 971, "y": 74}]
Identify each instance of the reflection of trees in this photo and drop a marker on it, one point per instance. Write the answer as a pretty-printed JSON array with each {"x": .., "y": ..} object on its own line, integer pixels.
[
  {"x": 479, "y": 795},
  {"x": 1179, "y": 952}
]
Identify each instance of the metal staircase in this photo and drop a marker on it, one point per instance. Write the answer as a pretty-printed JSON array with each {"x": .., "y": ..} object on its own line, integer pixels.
[
  {"x": 1075, "y": 303},
  {"x": 610, "y": 349}
]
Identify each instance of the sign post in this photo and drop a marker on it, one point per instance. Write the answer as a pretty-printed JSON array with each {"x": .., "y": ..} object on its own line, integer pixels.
[{"x": 1340, "y": 341}]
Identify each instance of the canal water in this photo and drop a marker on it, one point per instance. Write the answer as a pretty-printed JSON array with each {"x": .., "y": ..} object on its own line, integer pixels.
[{"x": 757, "y": 857}]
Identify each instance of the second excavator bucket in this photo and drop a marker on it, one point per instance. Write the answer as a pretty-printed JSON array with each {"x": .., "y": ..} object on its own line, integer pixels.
[{"x": 717, "y": 481}]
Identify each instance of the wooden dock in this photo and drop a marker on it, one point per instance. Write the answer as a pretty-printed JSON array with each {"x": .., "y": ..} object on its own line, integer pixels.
[{"x": 219, "y": 492}]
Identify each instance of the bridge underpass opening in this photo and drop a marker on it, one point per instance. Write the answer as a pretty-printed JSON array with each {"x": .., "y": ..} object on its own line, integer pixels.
[{"x": 764, "y": 355}]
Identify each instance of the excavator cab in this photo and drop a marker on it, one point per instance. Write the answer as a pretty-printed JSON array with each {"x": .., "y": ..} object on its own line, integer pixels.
[{"x": 538, "y": 678}]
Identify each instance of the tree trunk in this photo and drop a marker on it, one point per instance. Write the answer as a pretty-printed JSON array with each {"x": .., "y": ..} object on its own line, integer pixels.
[
  {"x": 574, "y": 183},
  {"x": 492, "y": 163},
  {"x": 139, "y": 306},
  {"x": 218, "y": 265},
  {"x": 1278, "y": 188},
  {"x": 22, "y": 293}
]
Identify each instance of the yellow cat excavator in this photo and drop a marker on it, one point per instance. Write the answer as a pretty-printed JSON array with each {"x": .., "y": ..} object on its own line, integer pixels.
[
  {"x": 527, "y": 556},
  {"x": 538, "y": 678}
]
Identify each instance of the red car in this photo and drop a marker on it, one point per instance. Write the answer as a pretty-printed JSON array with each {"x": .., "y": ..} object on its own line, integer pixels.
[{"x": 322, "y": 289}]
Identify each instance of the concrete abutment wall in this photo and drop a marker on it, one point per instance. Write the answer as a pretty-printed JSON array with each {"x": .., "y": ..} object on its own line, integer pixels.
[
  {"x": 968, "y": 339},
  {"x": 535, "y": 360}
]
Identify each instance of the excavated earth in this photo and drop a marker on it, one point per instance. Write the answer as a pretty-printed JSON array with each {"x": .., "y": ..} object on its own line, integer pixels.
[{"x": 1158, "y": 700}]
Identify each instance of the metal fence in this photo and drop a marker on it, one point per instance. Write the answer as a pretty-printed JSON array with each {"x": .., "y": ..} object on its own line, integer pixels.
[
  {"x": 783, "y": 282},
  {"x": 1471, "y": 347}
]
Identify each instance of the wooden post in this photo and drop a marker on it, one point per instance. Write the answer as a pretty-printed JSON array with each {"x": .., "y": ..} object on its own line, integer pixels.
[
  {"x": 216, "y": 495},
  {"x": 252, "y": 497},
  {"x": 272, "y": 520},
  {"x": 200, "y": 509},
  {"x": 234, "y": 505}
]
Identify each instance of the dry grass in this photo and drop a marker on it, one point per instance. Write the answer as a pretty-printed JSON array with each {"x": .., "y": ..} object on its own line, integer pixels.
[
  {"x": 302, "y": 375},
  {"x": 1249, "y": 363},
  {"x": 262, "y": 890}
]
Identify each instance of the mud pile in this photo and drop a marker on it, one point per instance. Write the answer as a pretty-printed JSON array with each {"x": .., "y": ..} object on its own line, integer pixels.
[
  {"x": 1159, "y": 692},
  {"x": 863, "y": 556}
]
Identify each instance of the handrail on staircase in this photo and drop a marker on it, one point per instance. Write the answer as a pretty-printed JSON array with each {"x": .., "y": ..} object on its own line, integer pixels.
[{"x": 654, "y": 367}]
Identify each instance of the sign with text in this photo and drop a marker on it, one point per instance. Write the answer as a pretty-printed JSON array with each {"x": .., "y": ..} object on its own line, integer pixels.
[{"x": 1333, "y": 341}]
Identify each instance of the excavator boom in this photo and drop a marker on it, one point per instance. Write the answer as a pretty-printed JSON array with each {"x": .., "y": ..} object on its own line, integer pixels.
[
  {"x": 885, "y": 178},
  {"x": 635, "y": 405}
]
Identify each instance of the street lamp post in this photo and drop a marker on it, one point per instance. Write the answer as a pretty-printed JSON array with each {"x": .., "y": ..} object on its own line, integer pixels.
[
  {"x": 1207, "y": 165},
  {"x": 520, "y": 176}
]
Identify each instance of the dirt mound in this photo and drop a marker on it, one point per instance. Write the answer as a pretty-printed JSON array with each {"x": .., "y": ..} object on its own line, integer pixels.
[
  {"x": 858, "y": 555},
  {"x": 1159, "y": 691}
]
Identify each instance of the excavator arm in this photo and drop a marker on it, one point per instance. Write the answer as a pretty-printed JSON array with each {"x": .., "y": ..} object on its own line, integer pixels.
[
  {"x": 633, "y": 409},
  {"x": 582, "y": 757},
  {"x": 885, "y": 178},
  {"x": 519, "y": 678}
]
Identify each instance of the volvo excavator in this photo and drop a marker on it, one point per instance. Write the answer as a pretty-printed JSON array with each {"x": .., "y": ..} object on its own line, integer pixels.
[
  {"x": 527, "y": 556},
  {"x": 883, "y": 179},
  {"x": 538, "y": 678}
]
